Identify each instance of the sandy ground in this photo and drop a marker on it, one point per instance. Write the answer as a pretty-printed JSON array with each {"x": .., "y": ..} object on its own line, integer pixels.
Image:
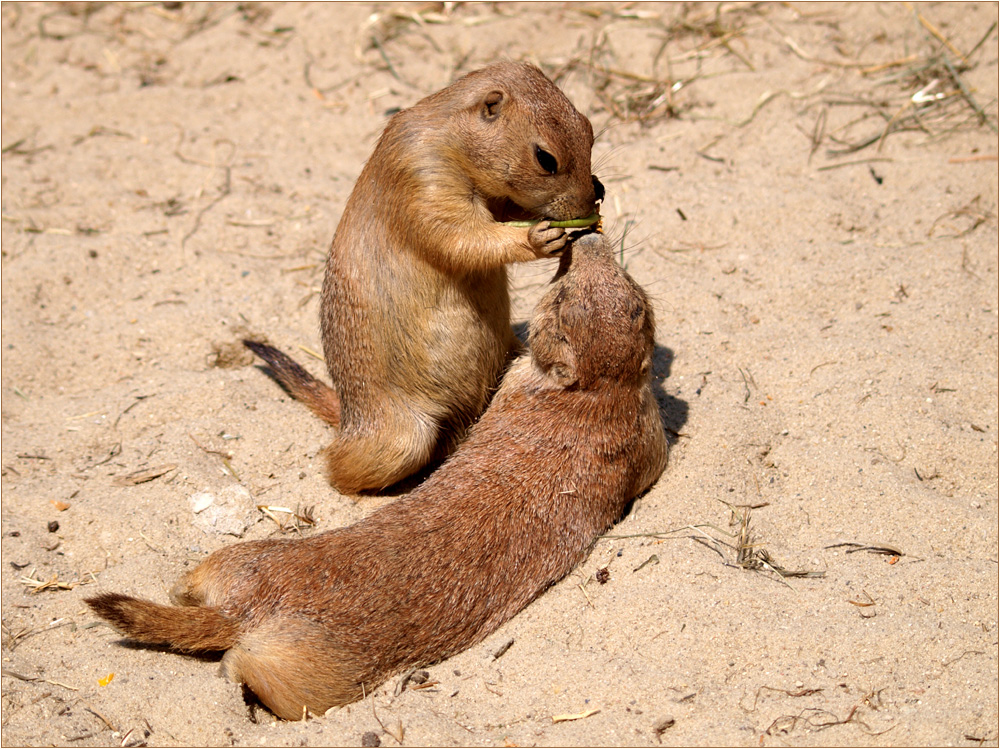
[{"x": 821, "y": 249}]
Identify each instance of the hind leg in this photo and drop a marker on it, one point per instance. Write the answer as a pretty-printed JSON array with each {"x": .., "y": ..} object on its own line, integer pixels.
[
  {"x": 228, "y": 577},
  {"x": 292, "y": 665},
  {"x": 377, "y": 455}
]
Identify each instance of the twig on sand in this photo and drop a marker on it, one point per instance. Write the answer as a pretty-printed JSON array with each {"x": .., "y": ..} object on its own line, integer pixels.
[{"x": 22, "y": 677}]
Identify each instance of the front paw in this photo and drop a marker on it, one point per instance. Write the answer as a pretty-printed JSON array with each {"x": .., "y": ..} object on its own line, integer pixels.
[{"x": 546, "y": 240}]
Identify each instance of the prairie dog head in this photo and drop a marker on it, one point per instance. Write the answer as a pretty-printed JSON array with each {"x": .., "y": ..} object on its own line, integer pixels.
[
  {"x": 527, "y": 147},
  {"x": 595, "y": 324}
]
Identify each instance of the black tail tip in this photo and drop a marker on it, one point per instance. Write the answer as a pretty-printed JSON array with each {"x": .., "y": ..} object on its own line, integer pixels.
[
  {"x": 108, "y": 605},
  {"x": 256, "y": 346},
  {"x": 274, "y": 357},
  {"x": 287, "y": 371}
]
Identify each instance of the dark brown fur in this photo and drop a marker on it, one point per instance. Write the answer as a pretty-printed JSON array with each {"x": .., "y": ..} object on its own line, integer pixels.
[
  {"x": 415, "y": 311},
  {"x": 572, "y": 435}
]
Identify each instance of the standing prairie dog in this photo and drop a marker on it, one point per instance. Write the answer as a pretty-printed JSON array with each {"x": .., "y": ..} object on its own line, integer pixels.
[
  {"x": 572, "y": 435},
  {"x": 415, "y": 310}
]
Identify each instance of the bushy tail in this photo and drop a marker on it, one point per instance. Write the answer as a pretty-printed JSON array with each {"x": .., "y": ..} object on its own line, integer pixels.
[
  {"x": 321, "y": 399},
  {"x": 187, "y": 628}
]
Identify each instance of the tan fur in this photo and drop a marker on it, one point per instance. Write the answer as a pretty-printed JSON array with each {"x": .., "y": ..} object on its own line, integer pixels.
[
  {"x": 415, "y": 310},
  {"x": 572, "y": 435}
]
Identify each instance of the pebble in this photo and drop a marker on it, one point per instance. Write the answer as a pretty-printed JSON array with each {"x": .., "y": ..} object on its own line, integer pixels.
[{"x": 228, "y": 512}]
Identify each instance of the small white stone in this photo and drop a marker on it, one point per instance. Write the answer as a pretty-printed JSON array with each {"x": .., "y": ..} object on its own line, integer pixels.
[
  {"x": 228, "y": 512},
  {"x": 201, "y": 501}
]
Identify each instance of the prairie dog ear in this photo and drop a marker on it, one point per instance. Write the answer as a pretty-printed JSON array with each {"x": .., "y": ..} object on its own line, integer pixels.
[
  {"x": 564, "y": 372},
  {"x": 637, "y": 314},
  {"x": 554, "y": 356},
  {"x": 550, "y": 348},
  {"x": 492, "y": 105},
  {"x": 571, "y": 321}
]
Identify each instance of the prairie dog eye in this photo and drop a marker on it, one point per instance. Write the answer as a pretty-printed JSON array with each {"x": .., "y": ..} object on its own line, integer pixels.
[{"x": 546, "y": 160}]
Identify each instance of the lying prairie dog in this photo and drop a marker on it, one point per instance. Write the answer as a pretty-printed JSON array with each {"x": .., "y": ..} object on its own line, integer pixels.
[
  {"x": 572, "y": 435},
  {"x": 415, "y": 310}
]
